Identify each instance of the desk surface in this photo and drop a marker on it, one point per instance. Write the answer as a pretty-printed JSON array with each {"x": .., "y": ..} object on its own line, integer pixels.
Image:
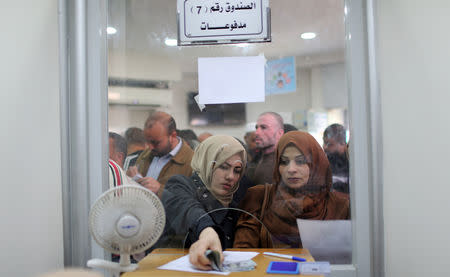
[{"x": 148, "y": 266}]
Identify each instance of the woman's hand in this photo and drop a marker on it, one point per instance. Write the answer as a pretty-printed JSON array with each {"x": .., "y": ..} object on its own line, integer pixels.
[{"x": 208, "y": 239}]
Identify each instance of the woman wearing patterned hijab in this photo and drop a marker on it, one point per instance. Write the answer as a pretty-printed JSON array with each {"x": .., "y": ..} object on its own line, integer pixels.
[
  {"x": 192, "y": 203},
  {"x": 302, "y": 178}
]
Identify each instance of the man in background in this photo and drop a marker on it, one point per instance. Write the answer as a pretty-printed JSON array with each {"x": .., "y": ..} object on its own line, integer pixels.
[
  {"x": 117, "y": 148},
  {"x": 190, "y": 137},
  {"x": 117, "y": 152},
  {"x": 335, "y": 146},
  {"x": 289, "y": 127},
  {"x": 269, "y": 129},
  {"x": 204, "y": 136},
  {"x": 170, "y": 154},
  {"x": 253, "y": 151},
  {"x": 135, "y": 145}
]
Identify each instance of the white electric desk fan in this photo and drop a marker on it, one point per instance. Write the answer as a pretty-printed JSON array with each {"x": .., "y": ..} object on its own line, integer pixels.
[{"x": 125, "y": 220}]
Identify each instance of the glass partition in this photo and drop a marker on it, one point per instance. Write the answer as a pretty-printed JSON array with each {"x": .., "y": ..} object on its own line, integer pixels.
[{"x": 149, "y": 73}]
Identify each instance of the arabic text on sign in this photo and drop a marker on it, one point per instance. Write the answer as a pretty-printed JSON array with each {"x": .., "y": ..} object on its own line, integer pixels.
[
  {"x": 231, "y": 27},
  {"x": 218, "y": 8}
]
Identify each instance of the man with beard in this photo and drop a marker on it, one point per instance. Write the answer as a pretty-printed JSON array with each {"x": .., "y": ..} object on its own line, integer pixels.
[
  {"x": 335, "y": 146},
  {"x": 169, "y": 155},
  {"x": 269, "y": 129}
]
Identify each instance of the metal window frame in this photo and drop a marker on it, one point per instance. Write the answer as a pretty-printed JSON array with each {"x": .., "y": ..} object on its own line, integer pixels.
[
  {"x": 366, "y": 150},
  {"x": 84, "y": 126},
  {"x": 83, "y": 56}
]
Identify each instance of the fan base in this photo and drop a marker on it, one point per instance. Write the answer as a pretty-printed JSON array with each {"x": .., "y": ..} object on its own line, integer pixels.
[{"x": 111, "y": 266}]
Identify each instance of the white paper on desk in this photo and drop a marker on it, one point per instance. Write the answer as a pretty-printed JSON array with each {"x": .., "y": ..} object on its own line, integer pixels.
[
  {"x": 231, "y": 80},
  {"x": 327, "y": 240},
  {"x": 183, "y": 264}
]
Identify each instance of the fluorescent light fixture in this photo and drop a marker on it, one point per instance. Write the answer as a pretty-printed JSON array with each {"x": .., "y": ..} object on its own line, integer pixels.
[
  {"x": 308, "y": 35},
  {"x": 242, "y": 44},
  {"x": 171, "y": 42},
  {"x": 111, "y": 30},
  {"x": 113, "y": 95}
]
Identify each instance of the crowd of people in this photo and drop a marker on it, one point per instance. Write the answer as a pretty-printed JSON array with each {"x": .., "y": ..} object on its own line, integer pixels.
[{"x": 219, "y": 192}]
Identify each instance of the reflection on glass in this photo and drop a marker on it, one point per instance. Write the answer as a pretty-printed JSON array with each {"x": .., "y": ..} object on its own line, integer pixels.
[
  {"x": 147, "y": 74},
  {"x": 301, "y": 189},
  {"x": 194, "y": 205}
]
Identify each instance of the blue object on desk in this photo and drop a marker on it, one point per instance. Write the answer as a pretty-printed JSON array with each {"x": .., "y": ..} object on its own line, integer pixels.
[
  {"x": 283, "y": 268},
  {"x": 285, "y": 256}
]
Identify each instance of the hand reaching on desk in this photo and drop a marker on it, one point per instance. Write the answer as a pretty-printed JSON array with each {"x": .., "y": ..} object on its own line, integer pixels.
[{"x": 208, "y": 239}]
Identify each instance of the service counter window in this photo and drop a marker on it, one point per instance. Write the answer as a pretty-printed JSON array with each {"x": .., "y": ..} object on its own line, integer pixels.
[{"x": 283, "y": 159}]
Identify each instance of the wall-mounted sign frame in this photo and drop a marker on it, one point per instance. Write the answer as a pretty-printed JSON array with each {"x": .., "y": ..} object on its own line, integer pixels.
[{"x": 223, "y": 22}]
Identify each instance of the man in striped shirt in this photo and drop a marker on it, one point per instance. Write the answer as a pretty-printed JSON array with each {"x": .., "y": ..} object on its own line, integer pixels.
[{"x": 117, "y": 153}]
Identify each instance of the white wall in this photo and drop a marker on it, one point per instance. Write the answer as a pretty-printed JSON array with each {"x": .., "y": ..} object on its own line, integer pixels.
[
  {"x": 414, "y": 60},
  {"x": 334, "y": 86},
  {"x": 415, "y": 94},
  {"x": 314, "y": 88},
  {"x": 140, "y": 65},
  {"x": 120, "y": 117},
  {"x": 30, "y": 202}
]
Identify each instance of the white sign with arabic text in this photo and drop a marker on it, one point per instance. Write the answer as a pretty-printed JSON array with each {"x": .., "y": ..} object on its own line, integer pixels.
[{"x": 214, "y": 21}]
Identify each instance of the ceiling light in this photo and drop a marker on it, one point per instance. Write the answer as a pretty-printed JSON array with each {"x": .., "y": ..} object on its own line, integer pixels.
[
  {"x": 308, "y": 35},
  {"x": 171, "y": 42},
  {"x": 242, "y": 44},
  {"x": 113, "y": 95},
  {"x": 111, "y": 30}
]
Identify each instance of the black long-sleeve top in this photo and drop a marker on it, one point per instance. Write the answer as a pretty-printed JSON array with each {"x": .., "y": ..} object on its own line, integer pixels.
[{"x": 190, "y": 208}]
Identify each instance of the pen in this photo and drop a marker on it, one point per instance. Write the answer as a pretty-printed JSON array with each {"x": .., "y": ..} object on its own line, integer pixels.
[{"x": 285, "y": 256}]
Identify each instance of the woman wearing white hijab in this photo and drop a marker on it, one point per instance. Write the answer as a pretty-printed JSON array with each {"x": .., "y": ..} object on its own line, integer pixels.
[{"x": 192, "y": 203}]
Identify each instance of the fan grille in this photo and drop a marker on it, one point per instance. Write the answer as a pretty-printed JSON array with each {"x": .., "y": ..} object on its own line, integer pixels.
[{"x": 132, "y": 200}]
